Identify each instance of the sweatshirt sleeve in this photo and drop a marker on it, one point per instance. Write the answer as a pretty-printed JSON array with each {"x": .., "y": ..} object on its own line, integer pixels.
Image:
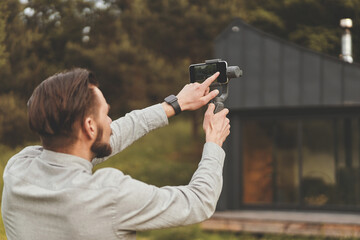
[
  {"x": 139, "y": 206},
  {"x": 133, "y": 126}
]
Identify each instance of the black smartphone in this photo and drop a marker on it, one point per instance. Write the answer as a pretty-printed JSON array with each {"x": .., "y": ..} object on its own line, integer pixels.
[{"x": 201, "y": 71}]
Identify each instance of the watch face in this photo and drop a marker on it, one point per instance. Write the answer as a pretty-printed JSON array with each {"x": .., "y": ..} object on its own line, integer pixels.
[{"x": 170, "y": 99}]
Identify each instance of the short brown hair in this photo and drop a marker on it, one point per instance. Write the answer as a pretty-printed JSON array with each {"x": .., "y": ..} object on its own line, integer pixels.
[{"x": 58, "y": 103}]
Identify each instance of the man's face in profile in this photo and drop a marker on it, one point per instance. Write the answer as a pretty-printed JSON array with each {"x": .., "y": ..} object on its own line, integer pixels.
[{"x": 101, "y": 146}]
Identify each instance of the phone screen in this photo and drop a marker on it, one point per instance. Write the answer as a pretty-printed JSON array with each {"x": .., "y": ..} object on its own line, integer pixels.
[{"x": 200, "y": 72}]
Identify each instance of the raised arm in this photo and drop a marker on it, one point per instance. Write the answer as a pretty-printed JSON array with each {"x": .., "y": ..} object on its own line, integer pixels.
[
  {"x": 137, "y": 123},
  {"x": 149, "y": 207}
]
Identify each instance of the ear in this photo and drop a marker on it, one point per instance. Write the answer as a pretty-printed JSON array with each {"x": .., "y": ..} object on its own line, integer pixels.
[{"x": 89, "y": 127}]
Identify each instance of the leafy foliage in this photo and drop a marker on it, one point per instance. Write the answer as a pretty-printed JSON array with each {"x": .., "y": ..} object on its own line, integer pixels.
[
  {"x": 3, "y": 53},
  {"x": 140, "y": 50},
  {"x": 14, "y": 129}
]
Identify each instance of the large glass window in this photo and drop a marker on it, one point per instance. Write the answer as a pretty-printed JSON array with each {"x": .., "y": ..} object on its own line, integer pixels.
[
  {"x": 258, "y": 162},
  {"x": 287, "y": 162},
  {"x": 318, "y": 162},
  {"x": 312, "y": 162},
  {"x": 347, "y": 162}
]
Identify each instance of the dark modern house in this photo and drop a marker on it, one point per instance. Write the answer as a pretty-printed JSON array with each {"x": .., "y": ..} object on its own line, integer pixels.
[{"x": 295, "y": 126}]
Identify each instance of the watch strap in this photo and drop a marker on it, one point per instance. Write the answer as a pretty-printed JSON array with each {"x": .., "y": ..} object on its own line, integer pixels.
[{"x": 173, "y": 101}]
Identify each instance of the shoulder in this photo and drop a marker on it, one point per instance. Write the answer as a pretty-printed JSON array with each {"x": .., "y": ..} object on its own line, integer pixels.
[
  {"x": 31, "y": 151},
  {"x": 109, "y": 177},
  {"x": 112, "y": 178},
  {"x": 27, "y": 153}
]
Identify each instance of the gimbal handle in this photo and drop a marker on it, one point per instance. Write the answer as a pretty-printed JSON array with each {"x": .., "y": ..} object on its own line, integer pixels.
[
  {"x": 219, "y": 100},
  {"x": 219, "y": 106}
]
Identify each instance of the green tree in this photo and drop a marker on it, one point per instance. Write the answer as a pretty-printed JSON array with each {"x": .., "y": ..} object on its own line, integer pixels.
[
  {"x": 140, "y": 49},
  {"x": 312, "y": 23},
  {"x": 3, "y": 52},
  {"x": 14, "y": 129}
]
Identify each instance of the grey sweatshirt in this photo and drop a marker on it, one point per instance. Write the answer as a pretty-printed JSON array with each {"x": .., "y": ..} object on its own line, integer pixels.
[{"x": 54, "y": 196}]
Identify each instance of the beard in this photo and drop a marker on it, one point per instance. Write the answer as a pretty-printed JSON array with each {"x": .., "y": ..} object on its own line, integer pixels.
[{"x": 100, "y": 149}]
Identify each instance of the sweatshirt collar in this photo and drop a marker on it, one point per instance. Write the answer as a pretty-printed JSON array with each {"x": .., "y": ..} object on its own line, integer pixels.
[{"x": 65, "y": 160}]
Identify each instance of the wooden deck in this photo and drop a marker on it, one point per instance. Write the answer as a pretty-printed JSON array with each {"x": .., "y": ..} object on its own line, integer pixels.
[{"x": 286, "y": 222}]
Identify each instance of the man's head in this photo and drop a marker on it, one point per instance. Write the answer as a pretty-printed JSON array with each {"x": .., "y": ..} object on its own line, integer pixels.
[{"x": 66, "y": 103}]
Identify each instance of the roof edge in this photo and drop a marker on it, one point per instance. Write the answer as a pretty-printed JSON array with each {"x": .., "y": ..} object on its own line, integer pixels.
[{"x": 239, "y": 21}]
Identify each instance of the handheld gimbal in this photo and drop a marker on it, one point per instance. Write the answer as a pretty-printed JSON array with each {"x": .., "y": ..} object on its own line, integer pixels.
[{"x": 199, "y": 72}]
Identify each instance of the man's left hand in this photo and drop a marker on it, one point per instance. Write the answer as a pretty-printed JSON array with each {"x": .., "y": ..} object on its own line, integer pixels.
[{"x": 195, "y": 95}]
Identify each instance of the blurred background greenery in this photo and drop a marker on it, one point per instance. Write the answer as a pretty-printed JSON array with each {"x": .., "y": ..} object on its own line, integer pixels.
[{"x": 140, "y": 51}]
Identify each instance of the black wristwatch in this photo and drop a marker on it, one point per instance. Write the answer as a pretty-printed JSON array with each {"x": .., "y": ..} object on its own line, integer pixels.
[{"x": 173, "y": 101}]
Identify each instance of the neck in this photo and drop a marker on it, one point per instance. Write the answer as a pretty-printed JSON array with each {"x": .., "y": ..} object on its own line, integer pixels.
[{"x": 76, "y": 149}]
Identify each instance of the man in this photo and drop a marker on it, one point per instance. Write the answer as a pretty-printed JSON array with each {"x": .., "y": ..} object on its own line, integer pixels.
[{"x": 50, "y": 191}]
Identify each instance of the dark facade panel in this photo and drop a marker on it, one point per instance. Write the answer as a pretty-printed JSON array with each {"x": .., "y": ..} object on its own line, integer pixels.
[
  {"x": 271, "y": 73},
  {"x": 351, "y": 84},
  {"x": 291, "y": 76},
  {"x": 279, "y": 74},
  {"x": 332, "y": 82},
  {"x": 234, "y": 57},
  {"x": 311, "y": 78},
  {"x": 231, "y": 195},
  {"x": 253, "y": 58}
]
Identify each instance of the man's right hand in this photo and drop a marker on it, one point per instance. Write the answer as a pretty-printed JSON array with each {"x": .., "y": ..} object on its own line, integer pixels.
[{"x": 216, "y": 126}]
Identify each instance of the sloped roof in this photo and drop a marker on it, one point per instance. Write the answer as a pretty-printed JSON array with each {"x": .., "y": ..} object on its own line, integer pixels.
[{"x": 277, "y": 73}]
